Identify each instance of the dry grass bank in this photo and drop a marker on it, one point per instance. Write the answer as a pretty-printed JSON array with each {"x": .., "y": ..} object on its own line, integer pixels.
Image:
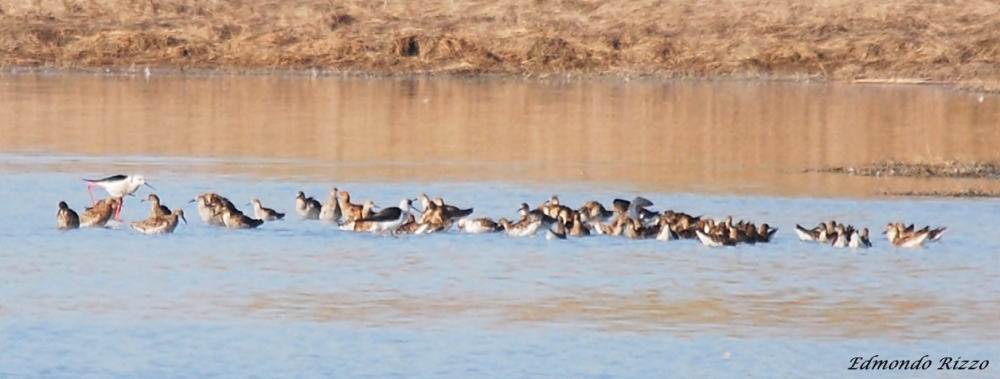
[{"x": 942, "y": 40}]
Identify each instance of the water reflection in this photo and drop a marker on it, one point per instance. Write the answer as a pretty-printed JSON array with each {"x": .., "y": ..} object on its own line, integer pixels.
[
  {"x": 722, "y": 137},
  {"x": 303, "y": 297}
]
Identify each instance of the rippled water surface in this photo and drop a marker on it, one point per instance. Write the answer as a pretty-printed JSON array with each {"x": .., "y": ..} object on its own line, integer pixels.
[{"x": 303, "y": 299}]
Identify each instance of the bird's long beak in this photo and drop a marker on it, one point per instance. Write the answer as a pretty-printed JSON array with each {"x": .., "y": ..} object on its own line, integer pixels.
[
  {"x": 192, "y": 200},
  {"x": 184, "y": 219},
  {"x": 248, "y": 204},
  {"x": 142, "y": 200},
  {"x": 147, "y": 185}
]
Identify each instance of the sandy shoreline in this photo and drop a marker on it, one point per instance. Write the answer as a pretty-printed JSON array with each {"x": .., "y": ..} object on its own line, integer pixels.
[{"x": 908, "y": 41}]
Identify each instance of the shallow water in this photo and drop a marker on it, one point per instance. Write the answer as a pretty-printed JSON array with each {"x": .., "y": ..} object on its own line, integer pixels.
[{"x": 302, "y": 299}]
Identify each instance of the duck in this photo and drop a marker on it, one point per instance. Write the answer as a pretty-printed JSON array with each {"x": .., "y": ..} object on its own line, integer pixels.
[
  {"x": 935, "y": 235},
  {"x": 556, "y": 232},
  {"x": 425, "y": 201},
  {"x": 66, "y": 218},
  {"x": 156, "y": 209},
  {"x": 553, "y": 209},
  {"x": 524, "y": 228},
  {"x": 666, "y": 233},
  {"x": 330, "y": 212},
  {"x": 817, "y": 234},
  {"x": 685, "y": 229},
  {"x": 307, "y": 207},
  {"x": 840, "y": 239},
  {"x": 98, "y": 215},
  {"x": 451, "y": 212},
  {"x": 234, "y": 219},
  {"x": 859, "y": 240},
  {"x": 635, "y": 230},
  {"x": 389, "y": 219},
  {"x": 594, "y": 211},
  {"x": 535, "y": 215},
  {"x": 906, "y": 236},
  {"x": 478, "y": 226},
  {"x": 266, "y": 214},
  {"x": 577, "y": 226},
  {"x": 161, "y": 224},
  {"x": 210, "y": 206},
  {"x": 410, "y": 226},
  {"x": 636, "y": 209},
  {"x": 765, "y": 233},
  {"x": 615, "y": 228},
  {"x": 359, "y": 226},
  {"x": 743, "y": 232},
  {"x": 717, "y": 237},
  {"x": 351, "y": 211},
  {"x": 434, "y": 227},
  {"x": 432, "y": 213}
]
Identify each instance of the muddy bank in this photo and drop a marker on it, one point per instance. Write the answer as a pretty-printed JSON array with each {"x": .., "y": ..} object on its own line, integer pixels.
[
  {"x": 950, "y": 169},
  {"x": 969, "y": 193},
  {"x": 914, "y": 40}
]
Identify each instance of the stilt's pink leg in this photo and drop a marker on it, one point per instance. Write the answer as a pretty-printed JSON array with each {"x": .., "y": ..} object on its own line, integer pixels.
[
  {"x": 91, "y": 192},
  {"x": 118, "y": 210}
]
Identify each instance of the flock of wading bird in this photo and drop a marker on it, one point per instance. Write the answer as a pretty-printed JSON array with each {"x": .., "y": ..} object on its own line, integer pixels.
[{"x": 629, "y": 218}]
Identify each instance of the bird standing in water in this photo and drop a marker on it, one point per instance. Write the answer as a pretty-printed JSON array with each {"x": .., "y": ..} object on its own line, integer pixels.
[{"x": 118, "y": 187}]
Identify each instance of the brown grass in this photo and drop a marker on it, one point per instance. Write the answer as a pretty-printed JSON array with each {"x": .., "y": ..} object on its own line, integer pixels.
[{"x": 954, "y": 41}]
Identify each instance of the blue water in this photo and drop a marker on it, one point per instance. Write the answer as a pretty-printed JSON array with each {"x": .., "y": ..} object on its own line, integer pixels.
[
  {"x": 302, "y": 299},
  {"x": 154, "y": 349}
]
